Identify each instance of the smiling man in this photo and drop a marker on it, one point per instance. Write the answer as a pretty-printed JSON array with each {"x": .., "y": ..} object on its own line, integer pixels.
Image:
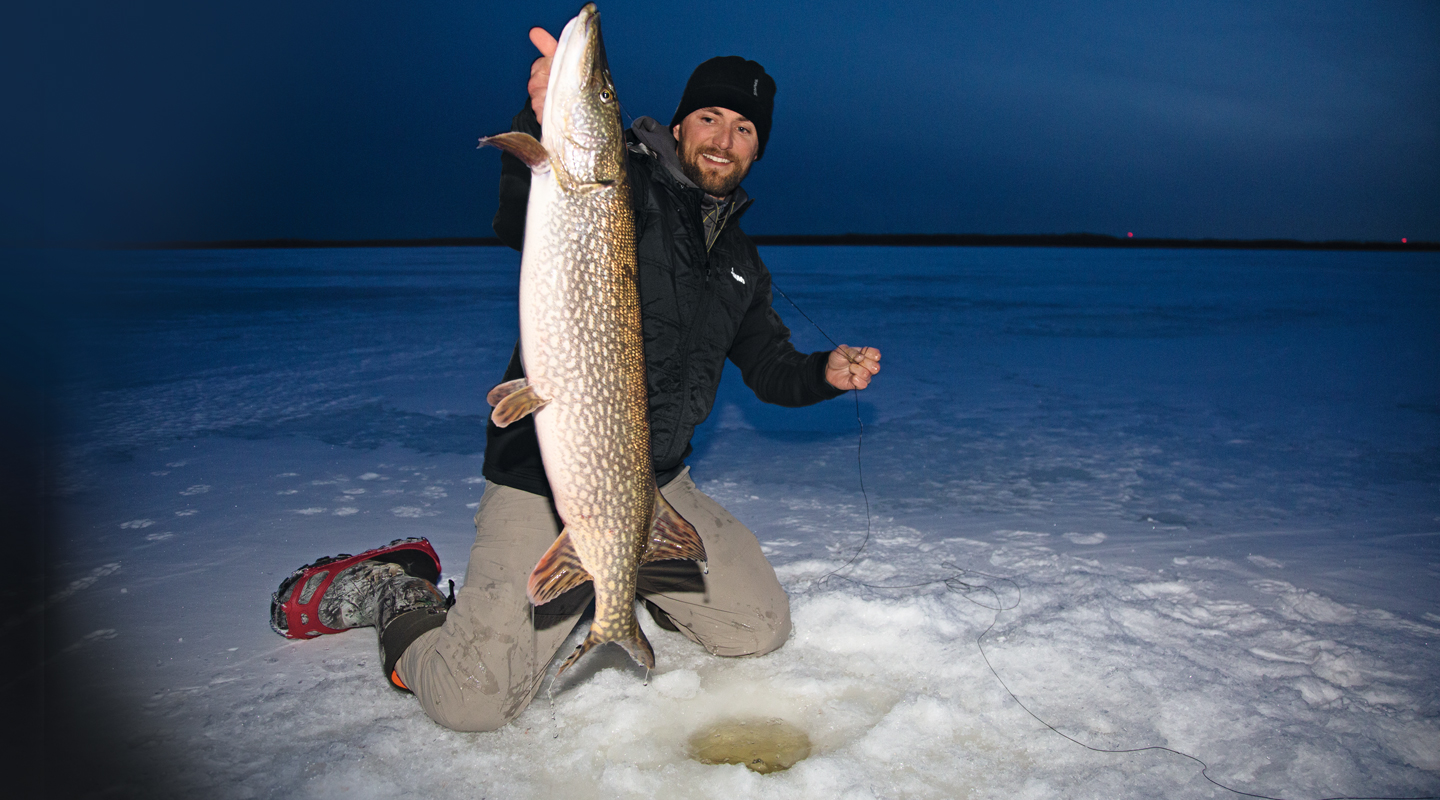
[
  {"x": 717, "y": 147},
  {"x": 705, "y": 297}
]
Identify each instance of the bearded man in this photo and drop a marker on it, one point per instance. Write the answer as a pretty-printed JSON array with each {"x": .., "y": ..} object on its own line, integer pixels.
[{"x": 705, "y": 297}]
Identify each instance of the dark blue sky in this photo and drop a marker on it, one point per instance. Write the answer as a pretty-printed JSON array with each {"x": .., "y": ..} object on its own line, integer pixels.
[{"x": 346, "y": 120}]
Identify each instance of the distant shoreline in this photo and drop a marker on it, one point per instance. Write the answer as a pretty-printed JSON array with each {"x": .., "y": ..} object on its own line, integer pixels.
[{"x": 843, "y": 239}]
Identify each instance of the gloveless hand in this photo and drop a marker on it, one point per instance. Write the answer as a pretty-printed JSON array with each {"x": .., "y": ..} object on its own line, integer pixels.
[
  {"x": 852, "y": 367},
  {"x": 540, "y": 70}
]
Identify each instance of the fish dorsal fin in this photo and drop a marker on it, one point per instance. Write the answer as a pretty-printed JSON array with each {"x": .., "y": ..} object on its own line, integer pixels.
[
  {"x": 512, "y": 401},
  {"x": 558, "y": 571},
  {"x": 523, "y": 146},
  {"x": 672, "y": 537}
]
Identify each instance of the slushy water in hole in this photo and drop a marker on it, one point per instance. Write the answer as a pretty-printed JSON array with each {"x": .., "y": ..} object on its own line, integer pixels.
[{"x": 762, "y": 745}]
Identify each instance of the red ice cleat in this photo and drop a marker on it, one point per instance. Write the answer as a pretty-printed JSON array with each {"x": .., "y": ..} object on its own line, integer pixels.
[{"x": 295, "y": 606}]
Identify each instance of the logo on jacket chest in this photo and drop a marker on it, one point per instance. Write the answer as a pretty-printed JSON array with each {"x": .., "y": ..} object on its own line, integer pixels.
[{"x": 736, "y": 275}]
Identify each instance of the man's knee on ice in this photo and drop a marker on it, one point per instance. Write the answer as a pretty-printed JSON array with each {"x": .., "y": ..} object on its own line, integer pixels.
[{"x": 776, "y": 631}]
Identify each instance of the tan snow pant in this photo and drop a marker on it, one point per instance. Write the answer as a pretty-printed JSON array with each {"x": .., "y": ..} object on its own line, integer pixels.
[{"x": 484, "y": 665}]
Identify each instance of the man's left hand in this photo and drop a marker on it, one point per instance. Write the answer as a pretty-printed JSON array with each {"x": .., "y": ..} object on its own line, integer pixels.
[{"x": 852, "y": 367}]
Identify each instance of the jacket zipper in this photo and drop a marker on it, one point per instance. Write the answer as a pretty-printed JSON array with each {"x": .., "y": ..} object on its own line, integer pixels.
[{"x": 702, "y": 314}]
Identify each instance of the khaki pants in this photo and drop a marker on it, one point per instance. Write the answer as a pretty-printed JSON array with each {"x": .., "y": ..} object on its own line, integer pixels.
[{"x": 485, "y": 664}]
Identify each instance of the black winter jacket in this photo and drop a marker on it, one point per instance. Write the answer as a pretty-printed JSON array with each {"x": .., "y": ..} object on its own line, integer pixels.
[{"x": 697, "y": 309}]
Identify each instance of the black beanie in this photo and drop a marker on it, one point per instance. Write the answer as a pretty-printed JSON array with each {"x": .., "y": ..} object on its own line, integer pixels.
[{"x": 736, "y": 84}]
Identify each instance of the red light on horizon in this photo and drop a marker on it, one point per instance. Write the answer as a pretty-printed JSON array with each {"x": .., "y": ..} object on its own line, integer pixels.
[
  {"x": 1403, "y": 240},
  {"x": 1130, "y": 235}
]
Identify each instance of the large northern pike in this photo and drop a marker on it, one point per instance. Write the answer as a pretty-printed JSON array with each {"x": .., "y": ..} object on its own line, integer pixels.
[{"x": 581, "y": 345}]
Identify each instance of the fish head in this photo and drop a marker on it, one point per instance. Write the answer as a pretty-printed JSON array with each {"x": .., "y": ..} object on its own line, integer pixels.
[{"x": 582, "y": 127}]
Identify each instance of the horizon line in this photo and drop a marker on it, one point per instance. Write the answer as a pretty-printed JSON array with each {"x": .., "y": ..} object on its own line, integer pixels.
[{"x": 843, "y": 239}]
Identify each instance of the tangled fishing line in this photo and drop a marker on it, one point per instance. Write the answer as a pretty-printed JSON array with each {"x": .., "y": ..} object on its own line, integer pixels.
[{"x": 955, "y": 583}]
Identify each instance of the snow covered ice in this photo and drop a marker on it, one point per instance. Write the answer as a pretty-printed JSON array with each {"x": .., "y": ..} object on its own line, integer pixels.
[{"x": 1203, "y": 486}]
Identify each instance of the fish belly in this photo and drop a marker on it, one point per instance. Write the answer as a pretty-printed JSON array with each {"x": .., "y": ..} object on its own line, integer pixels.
[{"x": 582, "y": 347}]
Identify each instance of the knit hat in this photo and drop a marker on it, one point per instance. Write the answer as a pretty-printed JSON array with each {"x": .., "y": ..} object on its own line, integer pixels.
[{"x": 736, "y": 84}]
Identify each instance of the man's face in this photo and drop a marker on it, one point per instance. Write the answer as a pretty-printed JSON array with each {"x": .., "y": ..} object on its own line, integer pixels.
[{"x": 717, "y": 147}]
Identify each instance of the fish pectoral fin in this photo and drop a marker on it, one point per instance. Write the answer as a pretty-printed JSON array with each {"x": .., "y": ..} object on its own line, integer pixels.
[
  {"x": 672, "y": 537},
  {"x": 513, "y": 400},
  {"x": 523, "y": 146},
  {"x": 506, "y": 389},
  {"x": 557, "y": 572}
]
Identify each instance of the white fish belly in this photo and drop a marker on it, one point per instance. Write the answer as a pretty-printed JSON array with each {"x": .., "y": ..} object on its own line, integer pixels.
[{"x": 583, "y": 352}]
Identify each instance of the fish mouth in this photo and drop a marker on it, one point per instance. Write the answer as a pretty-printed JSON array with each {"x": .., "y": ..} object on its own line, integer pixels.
[
  {"x": 576, "y": 43},
  {"x": 578, "y": 71}
]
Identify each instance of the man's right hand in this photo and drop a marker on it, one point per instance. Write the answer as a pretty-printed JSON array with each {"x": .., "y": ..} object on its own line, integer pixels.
[{"x": 540, "y": 70}]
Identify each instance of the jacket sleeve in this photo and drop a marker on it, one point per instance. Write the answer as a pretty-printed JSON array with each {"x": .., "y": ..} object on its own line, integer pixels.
[
  {"x": 770, "y": 364},
  {"x": 509, "y": 222}
]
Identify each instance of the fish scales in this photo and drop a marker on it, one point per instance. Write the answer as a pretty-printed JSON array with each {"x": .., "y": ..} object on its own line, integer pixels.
[{"x": 583, "y": 350}]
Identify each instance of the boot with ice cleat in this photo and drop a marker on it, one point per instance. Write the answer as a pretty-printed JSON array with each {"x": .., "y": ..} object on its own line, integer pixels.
[
  {"x": 391, "y": 588},
  {"x": 342, "y": 592}
]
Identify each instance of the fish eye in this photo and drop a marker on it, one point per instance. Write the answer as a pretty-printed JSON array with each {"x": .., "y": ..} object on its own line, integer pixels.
[{"x": 606, "y": 95}]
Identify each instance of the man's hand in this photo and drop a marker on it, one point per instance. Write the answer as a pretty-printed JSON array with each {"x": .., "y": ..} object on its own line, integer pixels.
[
  {"x": 852, "y": 367},
  {"x": 540, "y": 70}
]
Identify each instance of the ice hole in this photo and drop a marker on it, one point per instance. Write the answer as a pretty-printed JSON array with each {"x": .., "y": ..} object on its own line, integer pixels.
[{"x": 762, "y": 745}]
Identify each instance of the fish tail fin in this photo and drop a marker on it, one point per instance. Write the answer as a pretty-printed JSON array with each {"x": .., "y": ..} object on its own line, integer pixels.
[
  {"x": 672, "y": 537},
  {"x": 639, "y": 648},
  {"x": 636, "y": 645}
]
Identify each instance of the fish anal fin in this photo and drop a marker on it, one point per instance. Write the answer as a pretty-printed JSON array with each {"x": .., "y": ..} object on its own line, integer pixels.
[
  {"x": 513, "y": 400},
  {"x": 672, "y": 537},
  {"x": 521, "y": 145},
  {"x": 557, "y": 572}
]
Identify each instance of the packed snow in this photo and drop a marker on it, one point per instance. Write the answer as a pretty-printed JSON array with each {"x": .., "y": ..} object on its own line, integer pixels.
[{"x": 1183, "y": 499}]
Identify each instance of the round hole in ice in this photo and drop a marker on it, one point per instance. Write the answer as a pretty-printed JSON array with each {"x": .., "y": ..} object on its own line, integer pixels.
[{"x": 762, "y": 745}]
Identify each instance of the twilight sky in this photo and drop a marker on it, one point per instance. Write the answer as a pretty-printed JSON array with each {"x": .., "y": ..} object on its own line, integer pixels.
[{"x": 357, "y": 120}]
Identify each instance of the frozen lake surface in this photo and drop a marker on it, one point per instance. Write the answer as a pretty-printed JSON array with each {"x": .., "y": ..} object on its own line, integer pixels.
[{"x": 1203, "y": 487}]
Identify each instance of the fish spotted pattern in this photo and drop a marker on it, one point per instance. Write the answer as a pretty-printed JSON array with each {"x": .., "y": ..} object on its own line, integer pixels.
[{"x": 583, "y": 352}]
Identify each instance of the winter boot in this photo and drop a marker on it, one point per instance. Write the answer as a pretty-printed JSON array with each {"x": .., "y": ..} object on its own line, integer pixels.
[
  {"x": 340, "y": 592},
  {"x": 405, "y": 608}
]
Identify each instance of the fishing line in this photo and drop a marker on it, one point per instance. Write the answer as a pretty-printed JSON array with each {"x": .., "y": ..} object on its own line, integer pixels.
[
  {"x": 1204, "y": 767},
  {"x": 859, "y": 441},
  {"x": 550, "y": 684},
  {"x": 954, "y": 583}
]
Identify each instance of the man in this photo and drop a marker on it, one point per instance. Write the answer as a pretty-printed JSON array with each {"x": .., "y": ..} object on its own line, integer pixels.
[{"x": 705, "y": 296}]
